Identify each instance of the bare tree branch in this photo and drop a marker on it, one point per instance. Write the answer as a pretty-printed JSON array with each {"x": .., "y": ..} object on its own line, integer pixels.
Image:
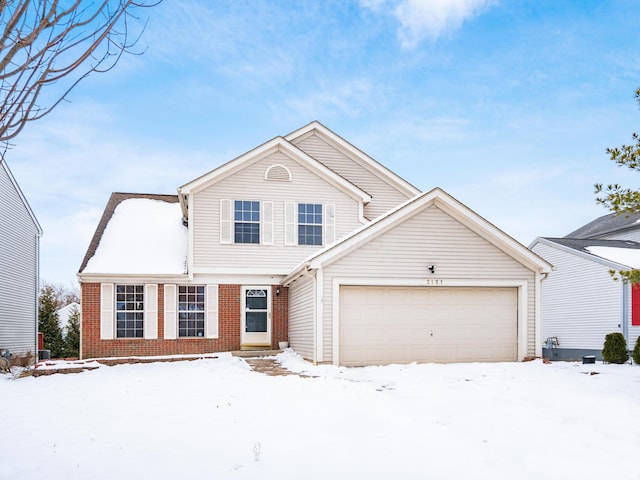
[{"x": 45, "y": 42}]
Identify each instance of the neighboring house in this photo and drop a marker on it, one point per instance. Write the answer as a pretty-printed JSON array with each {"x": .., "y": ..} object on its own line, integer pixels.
[
  {"x": 19, "y": 268},
  {"x": 63, "y": 315},
  {"x": 581, "y": 303},
  {"x": 306, "y": 239}
]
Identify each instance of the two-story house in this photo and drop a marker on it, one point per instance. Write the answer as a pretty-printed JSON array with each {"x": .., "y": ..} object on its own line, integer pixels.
[
  {"x": 307, "y": 239},
  {"x": 19, "y": 269}
]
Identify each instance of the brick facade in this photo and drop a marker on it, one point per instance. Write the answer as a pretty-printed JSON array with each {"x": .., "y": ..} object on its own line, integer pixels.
[{"x": 229, "y": 321}]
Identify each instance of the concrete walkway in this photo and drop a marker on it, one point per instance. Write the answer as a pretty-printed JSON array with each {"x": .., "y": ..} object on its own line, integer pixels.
[{"x": 269, "y": 366}]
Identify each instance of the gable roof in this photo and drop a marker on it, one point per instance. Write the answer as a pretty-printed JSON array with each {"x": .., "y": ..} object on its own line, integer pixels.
[
  {"x": 349, "y": 150},
  {"x": 277, "y": 144},
  {"x": 607, "y": 224},
  {"x": 116, "y": 199},
  {"x": 617, "y": 254},
  {"x": 23, "y": 199},
  {"x": 445, "y": 202}
]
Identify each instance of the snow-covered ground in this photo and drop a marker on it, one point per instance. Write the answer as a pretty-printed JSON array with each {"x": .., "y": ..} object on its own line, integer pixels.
[{"x": 217, "y": 419}]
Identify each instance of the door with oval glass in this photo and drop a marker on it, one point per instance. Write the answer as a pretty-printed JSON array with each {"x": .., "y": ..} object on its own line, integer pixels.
[{"x": 256, "y": 317}]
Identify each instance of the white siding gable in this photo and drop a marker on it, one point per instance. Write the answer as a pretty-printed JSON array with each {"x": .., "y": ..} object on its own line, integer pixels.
[
  {"x": 384, "y": 195},
  {"x": 212, "y": 217}
]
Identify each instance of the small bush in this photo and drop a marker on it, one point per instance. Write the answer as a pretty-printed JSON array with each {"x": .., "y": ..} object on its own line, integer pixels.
[
  {"x": 615, "y": 348},
  {"x": 636, "y": 352}
]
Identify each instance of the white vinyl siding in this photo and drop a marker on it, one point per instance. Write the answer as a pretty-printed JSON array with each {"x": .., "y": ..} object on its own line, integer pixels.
[
  {"x": 329, "y": 224},
  {"x": 209, "y": 255},
  {"x": 429, "y": 237},
  {"x": 18, "y": 270},
  {"x": 170, "y": 312},
  {"x": 301, "y": 316},
  {"x": 568, "y": 309},
  {"x": 384, "y": 196}
]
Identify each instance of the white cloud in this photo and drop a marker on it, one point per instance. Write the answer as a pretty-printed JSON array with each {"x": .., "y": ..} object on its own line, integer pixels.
[
  {"x": 420, "y": 19},
  {"x": 348, "y": 98}
]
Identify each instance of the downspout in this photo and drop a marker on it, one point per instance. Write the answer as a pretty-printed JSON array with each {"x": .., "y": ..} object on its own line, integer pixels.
[
  {"x": 306, "y": 272},
  {"x": 319, "y": 355},
  {"x": 540, "y": 277},
  {"x": 626, "y": 291},
  {"x": 81, "y": 316}
]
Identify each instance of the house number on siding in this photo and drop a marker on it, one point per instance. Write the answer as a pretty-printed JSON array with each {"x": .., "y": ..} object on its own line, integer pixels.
[{"x": 433, "y": 281}]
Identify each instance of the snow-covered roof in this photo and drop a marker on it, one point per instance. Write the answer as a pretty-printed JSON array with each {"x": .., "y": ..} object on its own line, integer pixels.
[
  {"x": 612, "y": 253},
  {"x": 625, "y": 256},
  {"x": 141, "y": 236}
]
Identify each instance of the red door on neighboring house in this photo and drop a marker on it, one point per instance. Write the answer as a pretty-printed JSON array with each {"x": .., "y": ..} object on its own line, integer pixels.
[{"x": 635, "y": 304}]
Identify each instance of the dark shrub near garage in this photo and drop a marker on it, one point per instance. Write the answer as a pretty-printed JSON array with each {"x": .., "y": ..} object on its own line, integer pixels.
[
  {"x": 615, "y": 348},
  {"x": 636, "y": 352}
]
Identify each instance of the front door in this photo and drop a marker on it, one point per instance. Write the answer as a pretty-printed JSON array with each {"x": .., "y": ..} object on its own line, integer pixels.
[{"x": 256, "y": 317}]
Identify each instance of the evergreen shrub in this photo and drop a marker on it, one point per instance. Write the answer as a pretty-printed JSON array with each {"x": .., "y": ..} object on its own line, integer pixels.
[
  {"x": 615, "y": 348},
  {"x": 636, "y": 352}
]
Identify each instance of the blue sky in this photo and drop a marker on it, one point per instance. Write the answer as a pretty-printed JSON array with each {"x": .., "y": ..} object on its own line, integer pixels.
[{"x": 508, "y": 105}]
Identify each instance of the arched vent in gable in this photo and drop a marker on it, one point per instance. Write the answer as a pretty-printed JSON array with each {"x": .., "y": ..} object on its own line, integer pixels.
[{"x": 278, "y": 173}]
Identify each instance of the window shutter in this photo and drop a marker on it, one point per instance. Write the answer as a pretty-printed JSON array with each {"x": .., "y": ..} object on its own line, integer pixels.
[
  {"x": 290, "y": 223},
  {"x": 211, "y": 330},
  {"x": 170, "y": 315},
  {"x": 226, "y": 222},
  {"x": 151, "y": 311},
  {"x": 329, "y": 224},
  {"x": 635, "y": 305},
  {"x": 106, "y": 311},
  {"x": 267, "y": 223}
]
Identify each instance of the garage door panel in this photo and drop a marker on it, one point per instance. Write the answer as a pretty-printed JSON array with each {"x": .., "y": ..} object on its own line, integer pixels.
[{"x": 381, "y": 325}]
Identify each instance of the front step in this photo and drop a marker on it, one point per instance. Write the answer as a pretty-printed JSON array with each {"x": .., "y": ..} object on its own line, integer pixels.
[
  {"x": 255, "y": 346},
  {"x": 255, "y": 353}
]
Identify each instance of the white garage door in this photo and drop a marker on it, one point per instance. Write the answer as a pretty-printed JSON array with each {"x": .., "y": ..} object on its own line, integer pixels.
[{"x": 382, "y": 325}]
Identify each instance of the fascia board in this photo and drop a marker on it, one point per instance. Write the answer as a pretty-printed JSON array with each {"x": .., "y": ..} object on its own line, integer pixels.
[
  {"x": 131, "y": 277},
  {"x": 356, "y": 154},
  {"x": 358, "y": 237},
  {"x": 492, "y": 234},
  {"x": 452, "y": 207},
  {"x": 579, "y": 253},
  {"x": 231, "y": 166},
  {"x": 272, "y": 146},
  {"x": 325, "y": 172},
  {"x": 369, "y": 231}
]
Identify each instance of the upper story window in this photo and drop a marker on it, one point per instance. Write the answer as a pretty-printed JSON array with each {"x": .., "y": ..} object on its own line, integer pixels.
[
  {"x": 309, "y": 224},
  {"x": 246, "y": 221},
  {"x": 129, "y": 311},
  {"x": 191, "y": 310}
]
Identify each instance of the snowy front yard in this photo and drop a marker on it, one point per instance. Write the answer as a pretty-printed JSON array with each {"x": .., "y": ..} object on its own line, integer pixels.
[{"x": 217, "y": 419}]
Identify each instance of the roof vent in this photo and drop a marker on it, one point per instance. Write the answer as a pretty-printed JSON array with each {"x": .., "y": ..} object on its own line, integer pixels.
[{"x": 277, "y": 173}]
